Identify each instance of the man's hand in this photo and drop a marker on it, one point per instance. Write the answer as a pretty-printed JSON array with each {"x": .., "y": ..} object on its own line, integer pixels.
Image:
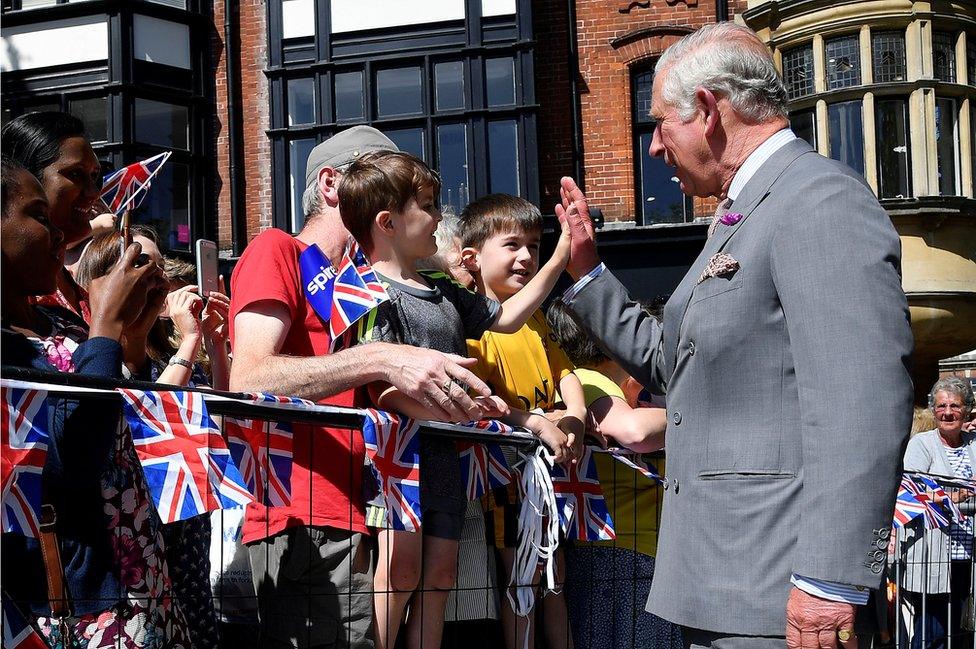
[
  {"x": 574, "y": 211},
  {"x": 434, "y": 380},
  {"x": 814, "y": 623}
]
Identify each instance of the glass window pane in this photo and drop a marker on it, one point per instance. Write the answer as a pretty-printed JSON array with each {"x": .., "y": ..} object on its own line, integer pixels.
[
  {"x": 971, "y": 61},
  {"x": 500, "y": 81},
  {"x": 93, "y": 112},
  {"x": 298, "y": 151},
  {"x": 643, "y": 83},
  {"x": 452, "y": 164},
  {"x": 301, "y": 101},
  {"x": 944, "y": 56},
  {"x": 160, "y": 123},
  {"x": 894, "y": 159},
  {"x": 843, "y": 62},
  {"x": 798, "y": 71},
  {"x": 846, "y": 134},
  {"x": 167, "y": 211},
  {"x": 804, "y": 124},
  {"x": 888, "y": 54},
  {"x": 449, "y": 78},
  {"x": 399, "y": 92},
  {"x": 410, "y": 140},
  {"x": 349, "y": 95},
  {"x": 661, "y": 200},
  {"x": 503, "y": 157},
  {"x": 946, "y": 135}
]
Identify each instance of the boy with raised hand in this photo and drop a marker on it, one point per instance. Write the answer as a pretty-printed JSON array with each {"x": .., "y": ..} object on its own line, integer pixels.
[
  {"x": 387, "y": 201},
  {"x": 500, "y": 237}
]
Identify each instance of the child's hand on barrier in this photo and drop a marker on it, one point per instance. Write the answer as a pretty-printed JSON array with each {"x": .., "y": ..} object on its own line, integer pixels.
[
  {"x": 575, "y": 431},
  {"x": 493, "y": 407},
  {"x": 554, "y": 438}
]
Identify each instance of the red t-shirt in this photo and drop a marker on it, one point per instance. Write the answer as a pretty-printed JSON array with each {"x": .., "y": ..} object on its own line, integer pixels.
[{"x": 327, "y": 469}]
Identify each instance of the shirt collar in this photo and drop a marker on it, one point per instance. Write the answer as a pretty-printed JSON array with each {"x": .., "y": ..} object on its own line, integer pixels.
[{"x": 763, "y": 152}]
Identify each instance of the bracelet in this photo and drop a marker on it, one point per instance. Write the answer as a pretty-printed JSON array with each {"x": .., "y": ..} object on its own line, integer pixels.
[{"x": 176, "y": 360}]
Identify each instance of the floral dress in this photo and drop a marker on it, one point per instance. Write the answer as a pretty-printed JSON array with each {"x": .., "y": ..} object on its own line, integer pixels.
[{"x": 146, "y": 615}]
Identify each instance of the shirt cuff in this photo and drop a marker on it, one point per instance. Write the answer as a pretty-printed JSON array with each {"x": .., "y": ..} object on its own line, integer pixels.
[
  {"x": 572, "y": 291},
  {"x": 831, "y": 590}
]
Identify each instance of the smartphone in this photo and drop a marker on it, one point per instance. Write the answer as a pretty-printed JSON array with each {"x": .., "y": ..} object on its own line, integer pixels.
[{"x": 206, "y": 267}]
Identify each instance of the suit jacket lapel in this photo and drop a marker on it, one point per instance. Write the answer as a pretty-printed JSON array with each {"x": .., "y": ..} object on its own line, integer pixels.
[{"x": 748, "y": 200}]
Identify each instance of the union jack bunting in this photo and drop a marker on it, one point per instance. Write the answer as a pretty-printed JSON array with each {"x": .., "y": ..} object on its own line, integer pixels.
[
  {"x": 355, "y": 291},
  {"x": 119, "y": 187},
  {"x": 483, "y": 467},
  {"x": 582, "y": 510},
  {"x": 188, "y": 467},
  {"x": 393, "y": 446},
  {"x": 914, "y": 501},
  {"x": 492, "y": 426},
  {"x": 17, "y": 633},
  {"x": 635, "y": 462},
  {"x": 262, "y": 451},
  {"x": 24, "y": 439},
  {"x": 265, "y": 397}
]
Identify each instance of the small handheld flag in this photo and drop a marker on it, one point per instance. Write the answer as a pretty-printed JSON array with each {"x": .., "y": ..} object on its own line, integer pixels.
[{"x": 120, "y": 189}]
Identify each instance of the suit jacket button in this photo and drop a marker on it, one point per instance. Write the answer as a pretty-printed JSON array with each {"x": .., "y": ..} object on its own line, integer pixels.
[
  {"x": 676, "y": 485},
  {"x": 878, "y": 555},
  {"x": 884, "y": 533},
  {"x": 667, "y": 484},
  {"x": 876, "y": 567},
  {"x": 691, "y": 348},
  {"x": 676, "y": 418},
  {"x": 882, "y": 544}
]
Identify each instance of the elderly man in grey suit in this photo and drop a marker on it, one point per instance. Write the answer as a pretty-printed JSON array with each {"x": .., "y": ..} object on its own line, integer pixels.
[{"x": 784, "y": 353}]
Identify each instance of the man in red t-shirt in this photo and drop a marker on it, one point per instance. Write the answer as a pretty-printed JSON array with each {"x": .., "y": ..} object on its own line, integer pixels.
[{"x": 311, "y": 572}]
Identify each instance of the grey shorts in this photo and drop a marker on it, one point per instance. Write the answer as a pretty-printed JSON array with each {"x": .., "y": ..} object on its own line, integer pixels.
[{"x": 314, "y": 588}]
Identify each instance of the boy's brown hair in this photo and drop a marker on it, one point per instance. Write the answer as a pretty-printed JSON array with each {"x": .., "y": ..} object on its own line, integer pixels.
[
  {"x": 496, "y": 213},
  {"x": 384, "y": 180}
]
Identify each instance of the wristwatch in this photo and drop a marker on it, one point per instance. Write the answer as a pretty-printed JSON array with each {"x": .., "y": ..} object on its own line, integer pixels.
[{"x": 176, "y": 360}]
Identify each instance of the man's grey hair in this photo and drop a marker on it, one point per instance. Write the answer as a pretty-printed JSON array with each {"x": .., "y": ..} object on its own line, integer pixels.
[
  {"x": 957, "y": 387},
  {"x": 728, "y": 60},
  {"x": 446, "y": 234}
]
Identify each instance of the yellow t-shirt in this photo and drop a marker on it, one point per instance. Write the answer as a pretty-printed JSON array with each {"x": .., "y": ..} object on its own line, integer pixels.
[
  {"x": 523, "y": 368},
  {"x": 634, "y": 502}
]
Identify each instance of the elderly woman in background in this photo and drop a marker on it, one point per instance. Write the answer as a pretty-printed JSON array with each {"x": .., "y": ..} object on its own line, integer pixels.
[{"x": 939, "y": 567}]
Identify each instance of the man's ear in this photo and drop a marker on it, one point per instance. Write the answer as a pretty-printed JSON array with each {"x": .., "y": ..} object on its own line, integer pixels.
[
  {"x": 328, "y": 184},
  {"x": 384, "y": 221},
  {"x": 470, "y": 259},
  {"x": 708, "y": 104}
]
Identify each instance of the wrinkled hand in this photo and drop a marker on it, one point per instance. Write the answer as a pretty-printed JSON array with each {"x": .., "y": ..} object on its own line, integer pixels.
[
  {"x": 814, "y": 623},
  {"x": 216, "y": 314},
  {"x": 574, "y": 212},
  {"x": 575, "y": 431},
  {"x": 119, "y": 298},
  {"x": 423, "y": 374},
  {"x": 184, "y": 307}
]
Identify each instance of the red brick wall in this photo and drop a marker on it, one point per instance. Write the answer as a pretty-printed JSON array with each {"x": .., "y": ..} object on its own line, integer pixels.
[
  {"x": 605, "y": 71},
  {"x": 554, "y": 96},
  {"x": 255, "y": 107}
]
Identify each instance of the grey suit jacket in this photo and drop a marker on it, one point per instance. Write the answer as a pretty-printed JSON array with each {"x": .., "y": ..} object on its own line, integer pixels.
[{"x": 788, "y": 396}]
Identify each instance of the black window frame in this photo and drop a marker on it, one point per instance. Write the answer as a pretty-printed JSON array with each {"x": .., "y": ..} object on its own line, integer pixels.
[
  {"x": 122, "y": 79},
  {"x": 642, "y": 125},
  {"x": 470, "y": 41}
]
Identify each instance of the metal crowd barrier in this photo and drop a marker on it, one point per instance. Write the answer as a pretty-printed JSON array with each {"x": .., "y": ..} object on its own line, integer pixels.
[{"x": 598, "y": 582}]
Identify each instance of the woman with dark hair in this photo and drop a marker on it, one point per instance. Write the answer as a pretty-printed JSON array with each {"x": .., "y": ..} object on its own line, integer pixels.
[
  {"x": 112, "y": 561},
  {"x": 53, "y": 147}
]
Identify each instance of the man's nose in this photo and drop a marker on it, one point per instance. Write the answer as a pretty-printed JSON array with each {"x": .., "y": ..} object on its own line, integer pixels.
[{"x": 656, "y": 150}]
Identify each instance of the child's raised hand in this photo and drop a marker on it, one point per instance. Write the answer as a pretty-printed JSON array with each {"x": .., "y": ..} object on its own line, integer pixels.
[{"x": 560, "y": 255}]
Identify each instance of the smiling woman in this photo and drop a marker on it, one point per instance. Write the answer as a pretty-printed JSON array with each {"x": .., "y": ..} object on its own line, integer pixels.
[{"x": 53, "y": 147}]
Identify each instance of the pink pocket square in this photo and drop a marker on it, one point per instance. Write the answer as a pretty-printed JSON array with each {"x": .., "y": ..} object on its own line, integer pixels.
[{"x": 719, "y": 265}]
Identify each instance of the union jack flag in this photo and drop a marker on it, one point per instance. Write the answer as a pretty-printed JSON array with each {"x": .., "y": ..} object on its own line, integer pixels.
[
  {"x": 119, "y": 187},
  {"x": 356, "y": 290},
  {"x": 24, "y": 439},
  {"x": 393, "y": 445},
  {"x": 635, "y": 462},
  {"x": 17, "y": 633},
  {"x": 266, "y": 397},
  {"x": 492, "y": 426},
  {"x": 582, "y": 510},
  {"x": 483, "y": 467},
  {"x": 938, "y": 496},
  {"x": 188, "y": 467},
  {"x": 914, "y": 501},
  {"x": 263, "y": 453}
]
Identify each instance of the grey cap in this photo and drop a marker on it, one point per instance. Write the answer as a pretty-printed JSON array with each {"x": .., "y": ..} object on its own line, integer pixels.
[{"x": 340, "y": 151}]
